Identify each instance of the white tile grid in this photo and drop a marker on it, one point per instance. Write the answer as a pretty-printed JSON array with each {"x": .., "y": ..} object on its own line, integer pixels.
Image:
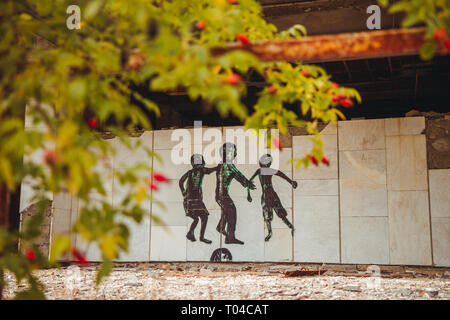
[
  {"x": 316, "y": 239},
  {"x": 178, "y": 223},
  {"x": 441, "y": 241},
  {"x": 362, "y": 183},
  {"x": 409, "y": 228},
  {"x": 405, "y": 133}
]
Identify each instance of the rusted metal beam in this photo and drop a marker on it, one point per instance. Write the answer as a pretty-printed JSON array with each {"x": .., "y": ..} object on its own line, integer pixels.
[{"x": 339, "y": 47}]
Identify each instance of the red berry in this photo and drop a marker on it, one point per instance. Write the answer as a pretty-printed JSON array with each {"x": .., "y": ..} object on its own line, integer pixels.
[
  {"x": 30, "y": 255},
  {"x": 440, "y": 34},
  {"x": 160, "y": 177},
  {"x": 92, "y": 123},
  {"x": 232, "y": 1},
  {"x": 200, "y": 25},
  {"x": 277, "y": 143},
  {"x": 334, "y": 84},
  {"x": 325, "y": 161},
  {"x": 306, "y": 73},
  {"x": 342, "y": 96},
  {"x": 272, "y": 90},
  {"x": 346, "y": 103},
  {"x": 447, "y": 44},
  {"x": 79, "y": 256},
  {"x": 242, "y": 38},
  {"x": 313, "y": 159},
  {"x": 153, "y": 186},
  {"x": 233, "y": 79},
  {"x": 50, "y": 157},
  {"x": 335, "y": 98}
]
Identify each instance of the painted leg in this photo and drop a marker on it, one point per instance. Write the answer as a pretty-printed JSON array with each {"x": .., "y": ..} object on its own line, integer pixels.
[
  {"x": 221, "y": 225},
  {"x": 269, "y": 229},
  {"x": 204, "y": 221},
  {"x": 286, "y": 221},
  {"x": 190, "y": 234},
  {"x": 231, "y": 225}
]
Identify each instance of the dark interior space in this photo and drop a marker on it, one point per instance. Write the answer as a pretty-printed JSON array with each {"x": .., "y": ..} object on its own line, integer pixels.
[{"x": 389, "y": 87}]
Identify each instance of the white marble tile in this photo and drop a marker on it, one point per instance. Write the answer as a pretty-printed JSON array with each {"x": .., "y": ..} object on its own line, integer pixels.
[
  {"x": 361, "y": 134},
  {"x": 200, "y": 251},
  {"x": 301, "y": 146},
  {"x": 317, "y": 187},
  {"x": 363, "y": 190},
  {"x": 409, "y": 228},
  {"x": 26, "y": 195},
  {"x": 331, "y": 128},
  {"x": 285, "y": 156},
  {"x": 139, "y": 152},
  {"x": 316, "y": 221},
  {"x": 406, "y": 161},
  {"x": 404, "y": 126},
  {"x": 121, "y": 191},
  {"x": 105, "y": 170},
  {"x": 61, "y": 222},
  {"x": 169, "y": 192},
  {"x": 163, "y": 138},
  {"x": 250, "y": 229},
  {"x": 62, "y": 201},
  {"x": 279, "y": 247},
  {"x": 168, "y": 243},
  {"x": 365, "y": 240},
  {"x": 172, "y": 215},
  {"x": 170, "y": 166},
  {"x": 439, "y": 193},
  {"x": 91, "y": 251},
  {"x": 441, "y": 241},
  {"x": 139, "y": 241}
]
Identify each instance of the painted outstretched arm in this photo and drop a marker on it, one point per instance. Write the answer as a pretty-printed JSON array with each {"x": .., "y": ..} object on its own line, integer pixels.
[
  {"x": 285, "y": 177},
  {"x": 209, "y": 170},
  {"x": 241, "y": 178},
  {"x": 182, "y": 181},
  {"x": 249, "y": 197}
]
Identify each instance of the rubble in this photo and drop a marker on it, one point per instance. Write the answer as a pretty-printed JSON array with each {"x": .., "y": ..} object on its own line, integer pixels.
[{"x": 238, "y": 281}]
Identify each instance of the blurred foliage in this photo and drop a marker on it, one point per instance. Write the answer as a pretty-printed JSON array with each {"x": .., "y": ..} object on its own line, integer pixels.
[
  {"x": 434, "y": 14},
  {"x": 89, "y": 73}
]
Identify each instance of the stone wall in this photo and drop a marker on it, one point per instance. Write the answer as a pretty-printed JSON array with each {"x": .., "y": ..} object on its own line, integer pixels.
[{"x": 377, "y": 202}]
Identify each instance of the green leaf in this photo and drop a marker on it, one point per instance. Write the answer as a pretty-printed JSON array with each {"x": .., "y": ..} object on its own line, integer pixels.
[
  {"x": 104, "y": 270},
  {"x": 428, "y": 50},
  {"x": 59, "y": 246}
]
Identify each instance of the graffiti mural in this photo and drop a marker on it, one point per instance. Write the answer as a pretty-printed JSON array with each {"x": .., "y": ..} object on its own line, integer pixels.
[
  {"x": 221, "y": 255},
  {"x": 193, "y": 196},
  {"x": 269, "y": 200},
  {"x": 191, "y": 189},
  {"x": 226, "y": 172}
]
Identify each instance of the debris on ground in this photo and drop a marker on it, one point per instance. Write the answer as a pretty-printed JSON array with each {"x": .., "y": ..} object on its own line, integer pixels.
[{"x": 259, "y": 281}]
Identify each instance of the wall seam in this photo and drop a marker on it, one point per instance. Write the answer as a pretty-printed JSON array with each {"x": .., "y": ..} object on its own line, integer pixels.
[
  {"x": 429, "y": 198},
  {"x": 151, "y": 202},
  {"x": 339, "y": 191},
  {"x": 387, "y": 194}
]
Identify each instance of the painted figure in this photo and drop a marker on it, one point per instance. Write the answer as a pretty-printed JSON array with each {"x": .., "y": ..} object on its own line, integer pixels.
[
  {"x": 193, "y": 196},
  {"x": 226, "y": 171},
  {"x": 269, "y": 200}
]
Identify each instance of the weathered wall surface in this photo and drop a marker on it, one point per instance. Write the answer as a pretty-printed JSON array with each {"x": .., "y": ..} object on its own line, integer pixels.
[{"x": 377, "y": 202}]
